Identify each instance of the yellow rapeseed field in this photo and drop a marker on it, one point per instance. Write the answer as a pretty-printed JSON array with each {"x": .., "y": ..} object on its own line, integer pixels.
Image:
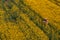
[{"x": 29, "y": 19}]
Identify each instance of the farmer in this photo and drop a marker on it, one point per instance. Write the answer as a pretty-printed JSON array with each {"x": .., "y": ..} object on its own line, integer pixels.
[{"x": 45, "y": 21}]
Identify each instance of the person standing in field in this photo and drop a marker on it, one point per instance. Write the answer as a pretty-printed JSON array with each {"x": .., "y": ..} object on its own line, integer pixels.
[{"x": 45, "y": 21}]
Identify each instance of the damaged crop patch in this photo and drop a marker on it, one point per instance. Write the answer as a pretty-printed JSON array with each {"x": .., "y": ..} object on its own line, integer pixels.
[{"x": 11, "y": 16}]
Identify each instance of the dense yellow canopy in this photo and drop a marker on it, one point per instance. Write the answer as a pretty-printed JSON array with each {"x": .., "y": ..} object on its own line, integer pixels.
[{"x": 23, "y": 20}]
